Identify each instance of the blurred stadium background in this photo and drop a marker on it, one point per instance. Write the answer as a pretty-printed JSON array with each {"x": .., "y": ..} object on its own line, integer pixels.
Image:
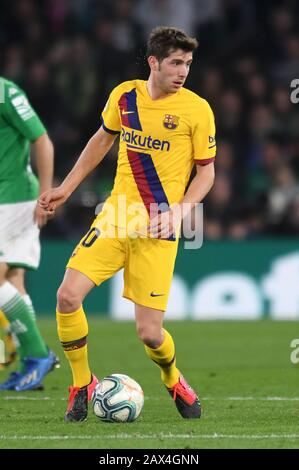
[{"x": 68, "y": 55}]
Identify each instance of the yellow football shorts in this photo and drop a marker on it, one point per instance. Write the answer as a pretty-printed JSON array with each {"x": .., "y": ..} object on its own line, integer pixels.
[{"x": 148, "y": 265}]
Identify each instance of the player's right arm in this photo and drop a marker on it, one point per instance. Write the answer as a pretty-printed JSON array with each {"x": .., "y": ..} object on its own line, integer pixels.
[
  {"x": 94, "y": 152},
  {"x": 92, "y": 155}
]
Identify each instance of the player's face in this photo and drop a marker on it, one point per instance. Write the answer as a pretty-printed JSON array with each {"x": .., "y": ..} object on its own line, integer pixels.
[{"x": 171, "y": 72}]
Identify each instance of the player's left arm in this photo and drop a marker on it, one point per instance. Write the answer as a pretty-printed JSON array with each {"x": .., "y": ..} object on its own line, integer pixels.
[
  {"x": 44, "y": 154},
  {"x": 200, "y": 185},
  {"x": 204, "y": 151},
  {"x": 166, "y": 223}
]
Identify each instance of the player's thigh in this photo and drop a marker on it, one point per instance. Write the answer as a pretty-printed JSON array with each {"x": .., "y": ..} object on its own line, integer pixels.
[
  {"x": 149, "y": 271},
  {"x": 73, "y": 289},
  {"x": 97, "y": 256}
]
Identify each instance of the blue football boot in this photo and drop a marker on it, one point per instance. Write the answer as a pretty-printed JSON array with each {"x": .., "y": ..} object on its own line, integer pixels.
[
  {"x": 36, "y": 370},
  {"x": 12, "y": 381}
]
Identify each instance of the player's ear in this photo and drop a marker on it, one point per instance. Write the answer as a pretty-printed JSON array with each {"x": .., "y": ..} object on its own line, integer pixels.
[{"x": 153, "y": 63}]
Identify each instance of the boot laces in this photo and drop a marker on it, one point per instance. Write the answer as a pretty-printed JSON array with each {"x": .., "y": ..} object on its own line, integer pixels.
[{"x": 181, "y": 390}]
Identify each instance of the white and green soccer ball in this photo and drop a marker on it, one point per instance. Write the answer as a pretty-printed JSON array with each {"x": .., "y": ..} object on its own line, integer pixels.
[{"x": 117, "y": 399}]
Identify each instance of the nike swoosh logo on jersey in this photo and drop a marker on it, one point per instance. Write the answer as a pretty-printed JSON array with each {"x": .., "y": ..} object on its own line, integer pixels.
[
  {"x": 126, "y": 112},
  {"x": 153, "y": 294}
]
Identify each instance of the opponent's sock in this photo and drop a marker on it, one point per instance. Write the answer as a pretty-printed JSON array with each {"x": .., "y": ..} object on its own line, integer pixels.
[
  {"x": 29, "y": 304},
  {"x": 31, "y": 311},
  {"x": 72, "y": 331},
  {"x": 164, "y": 357},
  {"x": 22, "y": 326}
]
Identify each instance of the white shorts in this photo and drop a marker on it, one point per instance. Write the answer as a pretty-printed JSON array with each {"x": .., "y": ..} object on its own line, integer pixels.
[{"x": 19, "y": 235}]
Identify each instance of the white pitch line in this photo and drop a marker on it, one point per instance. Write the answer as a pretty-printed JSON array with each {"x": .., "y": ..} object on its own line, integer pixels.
[
  {"x": 151, "y": 436},
  {"x": 25, "y": 397},
  {"x": 258, "y": 398}
]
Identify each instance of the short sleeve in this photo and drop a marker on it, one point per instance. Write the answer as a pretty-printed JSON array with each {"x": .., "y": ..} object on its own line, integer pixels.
[
  {"x": 110, "y": 115},
  {"x": 203, "y": 136},
  {"x": 19, "y": 113}
]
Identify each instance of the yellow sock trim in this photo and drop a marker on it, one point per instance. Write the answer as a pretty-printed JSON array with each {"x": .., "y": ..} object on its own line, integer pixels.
[
  {"x": 4, "y": 323},
  {"x": 70, "y": 327},
  {"x": 164, "y": 357}
]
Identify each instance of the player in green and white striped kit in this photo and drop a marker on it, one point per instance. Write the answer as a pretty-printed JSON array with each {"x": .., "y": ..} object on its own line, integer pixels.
[{"x": 20, "y": 221}]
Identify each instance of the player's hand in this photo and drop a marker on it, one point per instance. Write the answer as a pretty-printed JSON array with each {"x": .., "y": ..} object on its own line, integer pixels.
[
  {"x": 53, "y": 198},
  {"x": 41, "y": 216},
  {"x": 165, "y": 224}
]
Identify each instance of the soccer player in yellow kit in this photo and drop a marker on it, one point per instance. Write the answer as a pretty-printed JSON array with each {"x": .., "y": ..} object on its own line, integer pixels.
[{"x": 164, "y": 129}]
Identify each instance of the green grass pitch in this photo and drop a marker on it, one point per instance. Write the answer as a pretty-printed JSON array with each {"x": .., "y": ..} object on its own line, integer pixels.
[{"x": 241, "y": 370}]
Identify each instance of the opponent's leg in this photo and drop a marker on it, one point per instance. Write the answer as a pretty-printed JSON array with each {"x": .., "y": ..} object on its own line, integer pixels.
[
  {"x": 35, "y": 358},
  {"x": 31, "y": 341}
]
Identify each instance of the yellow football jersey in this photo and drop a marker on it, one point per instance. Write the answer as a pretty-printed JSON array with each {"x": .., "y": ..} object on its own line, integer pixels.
[{"x": 160, "y": 140}]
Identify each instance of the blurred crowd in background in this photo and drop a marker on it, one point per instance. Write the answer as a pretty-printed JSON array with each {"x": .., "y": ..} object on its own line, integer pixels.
[{"x": 69, "y": 54}]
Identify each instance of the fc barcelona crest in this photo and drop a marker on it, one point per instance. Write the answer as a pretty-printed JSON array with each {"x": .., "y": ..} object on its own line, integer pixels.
[{"x": 171, "y": 121}]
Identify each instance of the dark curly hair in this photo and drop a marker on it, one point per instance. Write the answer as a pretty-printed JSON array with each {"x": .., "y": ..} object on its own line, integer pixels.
[{"x": 163, "y": 40}]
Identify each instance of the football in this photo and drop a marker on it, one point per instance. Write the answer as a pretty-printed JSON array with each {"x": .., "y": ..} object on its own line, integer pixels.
[{"x": 117, "y": 398}]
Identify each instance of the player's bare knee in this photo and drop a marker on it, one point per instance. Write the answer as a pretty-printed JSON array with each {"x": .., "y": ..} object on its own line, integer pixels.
[
  {"x": 67, "y": 299},
  {"x": 149, "y": 336}
]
